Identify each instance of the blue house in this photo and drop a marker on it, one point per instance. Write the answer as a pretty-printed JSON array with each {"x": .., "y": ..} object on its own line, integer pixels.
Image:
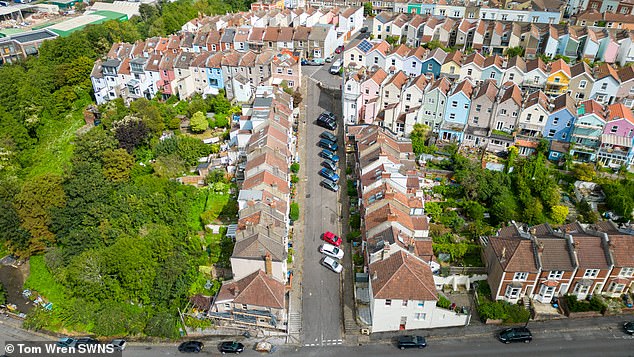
[
  {"x": 561, "y": 119},
  {"x": 433, "y": 62},
  {"x": 214, "y": 71},
  {"x": 456, "y": 112},
  {"x": 493, "y": 69}
]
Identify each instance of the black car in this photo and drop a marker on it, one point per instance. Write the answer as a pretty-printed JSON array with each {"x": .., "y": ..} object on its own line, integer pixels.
[
  {"x": 364, "y": 29},
  {"x": 629, "y": 327},
  {"x": 326, "y": 122},
  {"x": 86, "y": 341},
  {"x": 515, "y": 334},
  {"x": 231, "y": 347},
  {"x": 329, "y": 136},
  {"x": 191, "y": 346},
  {"x": 411, "y": 342}
]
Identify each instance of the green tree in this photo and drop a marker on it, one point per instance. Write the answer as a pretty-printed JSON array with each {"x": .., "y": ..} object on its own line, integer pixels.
[
  {"x": 295, "y": 167},
  {"x": 433, "y": 210},
  {"x": 169, "y": 166},
  {"x": 34, "y": 203},
  {"x": 514, "y": 51},
  {"x": 131, "y": 132},
  {"x": 117, "y": 165},
  {"x": 474, "y": 210},
  {"x": 558, "y": 214},
  {"x": 584, "y": 172},
  {"x": 294, "y": 211},
  {"x": 419, "y": 137},
  {"x": 367, "y": 9},
  {"x": 198, "y": 123}
]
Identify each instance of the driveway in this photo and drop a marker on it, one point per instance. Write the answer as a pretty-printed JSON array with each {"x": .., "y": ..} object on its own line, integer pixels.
[{"x": 321, "y": 288}]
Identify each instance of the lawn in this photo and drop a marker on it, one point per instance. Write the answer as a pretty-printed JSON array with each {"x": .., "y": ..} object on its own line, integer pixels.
[
  {"x": 197, "y": 208},
  {"x": 53, "y": 152},
  {"x": 42, "y": 281},
  {"x": 220, "y": 208}
]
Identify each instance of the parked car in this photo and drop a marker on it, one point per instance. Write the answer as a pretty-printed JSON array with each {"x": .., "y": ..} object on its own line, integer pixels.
[
  {"x": 339, "y": 49},
  {"x": 328, "y": 114},
  {"x": 332, "y": 238},
  {"x": 629, "y": 327},
  {"x": 66, "y": 342},
  {"x": 191, "y": 346},
  {"x": 327, "y": 154},
  {"x": 331, "y": 264},
  {"x": 231, "y": 347},
  {"x": 4, "y": 3},
  {"x": 329, "y": 59},
  {"x": 364, "y": 29},
  {"x": 329, "y": 136},
  {"x": 86, "y": 341},
  {"x": 331, "y": 251},
  {"x": 329, "y": 185},
  {"x": 336, "y": 67},
  {"x": 326, "y": 122},
  {"x": 515, "y": 334},
  {"x": 329, "y": 174},
  {"x": 313, "y": 62},
  {"x": 409, "y": 341},
  {"x": 327, "y": 144},
  {"x": 329, "y": 164},
  {"x": 118, "y": 344}
]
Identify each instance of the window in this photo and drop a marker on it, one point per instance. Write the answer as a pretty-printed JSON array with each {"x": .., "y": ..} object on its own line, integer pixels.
[
  {"x": 591, "y": 273},
  {"x": 367, "y": 91},
  {"x": 528, "y": 117},
  {"x": 563, "y": 136},
  {"x": 420, "y": 316},
  {"x": 557, "y": 79},
  {"x": 511, "y": 76},
  {"x": 352, "y": 57},
  {"x": 541, "y": 118},
  {"x": 376, "y": 60},
  {"x": 408, "y": 96},
  {"x": 583, "y": 84},
  {"x": 616, "y": 288},
  {"x": 469, "y": 71},
  {"x": 502, "y": 111},
  {"x": 430, "y": 66},
  {"x": 291, "y": 83},
  {"x": 511, "y": 292},
  {"x": 393, "y": 62},
  {"x": 279, "y": 70},
  {"x": 404, "y": 303},
  {"x": 627, "y": 272},
  {"x": 492, "y": 76},
  {"x": 387, "y": 94},
  {"x": 632, "y": 90},
  {"x": 452, "y": 116},
  {"x": 388, "y": 302},
  {"x": 466, "y": 105},
  {"x": 551, "y": 133},
  {"x": 614, "y": 129},
  {"x": 478, "y": 107},
  {"x": 289, "y": 72},
  {"x": 244, "y": 307},
  {"x": 454, "y": 104},
  {"x": 430, "y": 100},
  {"x": 555, "y": 121},
  {"x": 521, "y": 276},
  {"x": 475, "y": 120},
  {"x": 555, "y": 274},
  {"x": 360, "y": 58}
]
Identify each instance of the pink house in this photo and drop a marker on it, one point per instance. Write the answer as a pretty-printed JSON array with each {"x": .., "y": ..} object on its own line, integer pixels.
[
  {"x": 370, "y": 90},
  {"x": 617, "y": 138},
  {"x": 611, "y": 49},
  {"x": 620, "y": 121},
  {"x": 166, "y": 73}
]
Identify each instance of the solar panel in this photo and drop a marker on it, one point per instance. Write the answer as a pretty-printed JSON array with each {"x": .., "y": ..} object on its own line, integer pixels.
[{"x": 365, "y": 46}]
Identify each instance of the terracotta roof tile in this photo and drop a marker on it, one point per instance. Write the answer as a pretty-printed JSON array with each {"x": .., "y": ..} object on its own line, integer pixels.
[
  {"x": 403, "y": 277},
  {"x": 256, "y": 289},
  {"x": 620, "y": 111},
  {"x": 560, "y": 66},
  {"x": 514, "y": 254},
  {"x": 512, "y": 92},
  {"x": 590, "y": 252}
]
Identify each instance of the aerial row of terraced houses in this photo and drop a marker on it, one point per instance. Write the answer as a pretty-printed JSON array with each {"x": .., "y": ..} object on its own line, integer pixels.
[
  {"x": 494, "y": 102},
  {"x": 235, "y": 53}
]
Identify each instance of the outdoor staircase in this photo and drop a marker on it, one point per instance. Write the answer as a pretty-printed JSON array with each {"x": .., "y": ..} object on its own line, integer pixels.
[
  {"x": 527, "y": 303},
  {"x": 350, "y": 325},
  {"x": 294, "y": 322}
]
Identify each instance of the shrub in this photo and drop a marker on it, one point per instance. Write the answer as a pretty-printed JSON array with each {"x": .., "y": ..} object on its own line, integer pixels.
[
  {"x": 357, "y": 259},
  {"x": 352, "y": 190},
  {"x": 289, "y": 258},
  {"x": 354, "y": 235},
  {"x": 294, "y": 179},
  {"x": 443, "y": 302},
  {"x": 595, "y": 304},
  {"x": 502, "y": 310},
  {"x": 355, "y": 221},
  {"x": 294, "y": 212},
  {"x": 295, "y": 167}
]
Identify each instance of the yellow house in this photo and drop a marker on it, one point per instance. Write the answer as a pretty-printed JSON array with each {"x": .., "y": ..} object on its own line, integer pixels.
[
  {"x": 452, "y": 65},
  {"x": 559, "y": 78}
]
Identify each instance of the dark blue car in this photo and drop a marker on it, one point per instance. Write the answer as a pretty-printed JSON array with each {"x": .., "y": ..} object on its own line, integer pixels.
[
  {"x": 327, "y": 154},
  {"x": 329, "y": 174}
]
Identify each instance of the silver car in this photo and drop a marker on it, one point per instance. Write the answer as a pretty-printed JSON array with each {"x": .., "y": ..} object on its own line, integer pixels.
[
  {"x": 332, "y": 264},
  {"x": 331, "y": 251}
]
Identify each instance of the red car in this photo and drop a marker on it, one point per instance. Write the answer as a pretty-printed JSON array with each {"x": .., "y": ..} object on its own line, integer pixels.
[
  {"x": 332, "y": 239},
  {"x": 339, "y": 49}
]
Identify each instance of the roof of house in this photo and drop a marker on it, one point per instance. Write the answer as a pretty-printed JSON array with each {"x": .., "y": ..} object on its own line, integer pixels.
[
  {"x": 620, "y": 111},
  {"x": 560, "y": 66},
  {"x": 257, "y": 244},
  {"x": 438, "y": 55},
  {"x": 256, "y": 289},
  {"x": 494, "y": 60},
  {"x": 518, "y": 62},
  {"x": 591, "y": 106},
  {"x": 536, "y": 63},
  {"x": 537, "y": 97},
  {"x": 580, "y": 68},
  {"x": 455, "y": 56},
  {"x": 402, "y": 276},
  {"x": 590, "y": 252},
  {"x": 514, "y": 253},
  {"x": 488, "y": 89},
  {"x": 319, "y": 32},
  {"x": 398, "y": 80},
  {"x": 556, "y": 254},
  {"x": 622, "y": 246},
  {"x": 442, "y": 84},
  {"x": 465, "y": 87},
  {"x": 626, "y": 73},
  {"x": 474, "y": 58},
  {"x": 564, "y": 101},
  {"x": 605, "y": 70},
  {"x": 512, "y": 92}
]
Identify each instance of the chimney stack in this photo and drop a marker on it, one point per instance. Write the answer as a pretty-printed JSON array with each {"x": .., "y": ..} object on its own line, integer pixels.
[
  {"x": 503, "y": 253},
  {"x": 268, "y": 264},
  {"x": 540, "y": 247},
  {"x": 375, "y": 276}
]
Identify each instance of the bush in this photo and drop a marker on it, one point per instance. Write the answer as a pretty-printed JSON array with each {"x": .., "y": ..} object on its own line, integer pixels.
[
  {"x": 574, "y": 305},
  {"x": 355, "y": 221},
  {"x": 354, "y": 235},
  {"x": 295, "y": 167},
  {"x": 443, "y": 302},
  {"x": 352, "y": 190},
  {"x": 294, "y": 212},
  {"x": 502, "y": 310},
  {"x": 294, "y": 179},
  {"x": 3, "y": 295},
  {"x": 289, "y": 258},
  {"x": 357, "y": 259}
]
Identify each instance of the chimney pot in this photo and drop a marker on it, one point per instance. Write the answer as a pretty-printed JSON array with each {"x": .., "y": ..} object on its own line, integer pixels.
[
  {"x": 375, "y": 276},
  {"x": 268, "y": 264}
]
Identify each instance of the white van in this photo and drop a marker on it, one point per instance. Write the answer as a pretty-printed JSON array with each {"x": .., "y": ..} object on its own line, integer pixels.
[{"x": 335, "y": 67}]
